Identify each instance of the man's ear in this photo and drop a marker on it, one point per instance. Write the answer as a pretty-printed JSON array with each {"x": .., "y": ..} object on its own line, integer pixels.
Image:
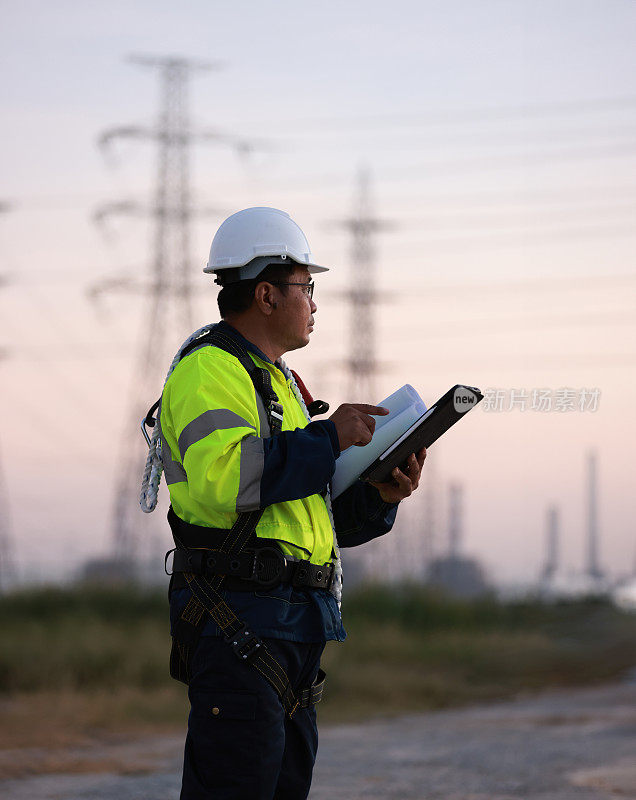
[{"x": 264, "y": 297}]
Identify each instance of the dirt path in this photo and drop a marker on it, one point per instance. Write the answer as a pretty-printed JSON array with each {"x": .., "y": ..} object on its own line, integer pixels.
[{"x": 570, "y": 745}]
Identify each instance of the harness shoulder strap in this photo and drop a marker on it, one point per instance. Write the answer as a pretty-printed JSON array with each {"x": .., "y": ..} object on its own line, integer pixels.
[
  {"x": 260, "y": 377},
  {"x": 205, "y": 599}
]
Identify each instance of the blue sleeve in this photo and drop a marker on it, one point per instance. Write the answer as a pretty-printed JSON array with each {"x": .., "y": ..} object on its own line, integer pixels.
[
  {"x": 360, "y": 515},
  {"x": 299, "y": 463}
]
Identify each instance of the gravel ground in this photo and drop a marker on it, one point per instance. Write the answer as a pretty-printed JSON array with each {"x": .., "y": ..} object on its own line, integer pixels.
[{"x": 566, "y": 745}]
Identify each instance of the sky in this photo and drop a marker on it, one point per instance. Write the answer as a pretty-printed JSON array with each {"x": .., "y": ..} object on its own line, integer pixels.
[{"x": 499, "y": 140}]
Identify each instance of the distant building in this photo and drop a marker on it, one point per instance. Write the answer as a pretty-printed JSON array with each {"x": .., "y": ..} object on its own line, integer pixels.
[
  {"x": 453, "y": 574},
  {"x": 624, "y": 595},
  {"x": 457, "y": 576},
  {"x": 554, "y": 583},
  {"x": 118, "y": 572},
  {"x": 108, "y": 572},
  {"x": 572, "y": 585},
  {"x": 551, "y": 565}
]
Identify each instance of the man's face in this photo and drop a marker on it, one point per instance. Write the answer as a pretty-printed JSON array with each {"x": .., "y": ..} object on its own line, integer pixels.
[{"x": 294, "y": 315}]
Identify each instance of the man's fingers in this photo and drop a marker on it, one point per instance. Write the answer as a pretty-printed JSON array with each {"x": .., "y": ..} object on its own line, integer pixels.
[
  {"x": 377, "y": 411},
  {"x": 370, "y": 423},
  {"x": 364, "y": 438},
  {"x": 412, "y": 463},
  {"x": 404, "y": 483},
  {"x": 366, "y": 415},
  {"x": 355, "y": 423},
  {"x": 414, "y": 469}
]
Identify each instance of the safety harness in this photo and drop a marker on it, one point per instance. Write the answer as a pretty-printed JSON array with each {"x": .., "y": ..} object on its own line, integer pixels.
[{"x": 205, "y": 571}]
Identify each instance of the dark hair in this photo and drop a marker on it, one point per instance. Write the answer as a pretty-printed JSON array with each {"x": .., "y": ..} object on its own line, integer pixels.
[{"x": 235, "y": 298}]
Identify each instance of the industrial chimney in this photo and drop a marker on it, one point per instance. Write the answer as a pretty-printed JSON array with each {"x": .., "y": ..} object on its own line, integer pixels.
[{"x": 593, "y": 569}]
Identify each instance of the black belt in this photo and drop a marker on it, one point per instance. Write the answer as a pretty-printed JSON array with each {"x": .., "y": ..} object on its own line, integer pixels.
[{"x": 261, "y": 568}]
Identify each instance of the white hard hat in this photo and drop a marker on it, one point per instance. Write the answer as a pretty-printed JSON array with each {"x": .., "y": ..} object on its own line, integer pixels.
[{"x": 254, "y": 233}]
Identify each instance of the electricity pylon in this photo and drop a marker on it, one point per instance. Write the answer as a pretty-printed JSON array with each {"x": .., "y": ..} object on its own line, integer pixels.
[
  {"x": 362, "y": 295},
  {"x": 380, "y": 559},
  {"x": 168, "y": 314}
]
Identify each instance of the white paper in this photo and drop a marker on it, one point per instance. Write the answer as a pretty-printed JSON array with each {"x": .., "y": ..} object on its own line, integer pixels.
[{"x": 405, "y": 408}]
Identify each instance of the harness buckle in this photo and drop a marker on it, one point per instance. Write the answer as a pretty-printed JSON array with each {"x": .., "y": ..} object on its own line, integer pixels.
[
  {"x": 266, "y": 573},
  {"x": 245, "y": 644},
  {"x": 315, "y": 575},
  {"x": 165, "y": 561},
  {"x": 149, "y": 421},
  {"x": 275, "y": 414},
  {"x": 317, "y": 407}
]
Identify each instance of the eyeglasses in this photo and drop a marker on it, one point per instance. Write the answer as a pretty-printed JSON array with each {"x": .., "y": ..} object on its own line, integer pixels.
[{"x": 308, "y": 288}]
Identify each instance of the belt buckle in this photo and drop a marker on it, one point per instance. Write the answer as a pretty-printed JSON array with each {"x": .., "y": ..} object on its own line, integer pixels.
[
  {"x": 320, "y": 575},
  {"x": 325, "y": 574},
  {"x": 332, "y": 577},
  {"x": 312, "y": 575},
  {"x": 278, "y": 556},
  {"x": 165, "y": 561},
  {"x": 244, "y": 643}
]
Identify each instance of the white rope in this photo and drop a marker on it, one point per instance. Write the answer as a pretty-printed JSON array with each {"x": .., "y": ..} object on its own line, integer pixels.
[{"x": 154, "y": 467}]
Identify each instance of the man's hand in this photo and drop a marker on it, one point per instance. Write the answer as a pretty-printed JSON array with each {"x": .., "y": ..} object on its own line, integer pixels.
[
  {"x": 403, "y": 483},
  {"x": 354, "y": 423}
]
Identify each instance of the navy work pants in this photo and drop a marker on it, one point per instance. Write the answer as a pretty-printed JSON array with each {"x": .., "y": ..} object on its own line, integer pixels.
[{"x": 240, "y": 744}]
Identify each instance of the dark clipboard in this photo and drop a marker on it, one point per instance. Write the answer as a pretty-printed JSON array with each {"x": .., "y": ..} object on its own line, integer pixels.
[{"x": 427, "y": 429}]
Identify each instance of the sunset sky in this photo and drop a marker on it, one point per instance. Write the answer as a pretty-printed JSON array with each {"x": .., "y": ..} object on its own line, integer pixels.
[{"x": 500, "y": 138}]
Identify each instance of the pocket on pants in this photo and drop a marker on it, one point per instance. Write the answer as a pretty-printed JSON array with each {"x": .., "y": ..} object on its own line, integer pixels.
[
  {"x": 224, "y": 748},
  {"x": 223, "y": 705}
]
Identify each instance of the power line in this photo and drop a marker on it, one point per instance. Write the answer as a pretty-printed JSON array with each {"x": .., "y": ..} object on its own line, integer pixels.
[
  {"x": 518, "y": 362},
  {"x": 508, "y": 160},
  {"x": 519, "y": 240},
  {"x": 51, "y": 313},
  {"x": 93, "y": 351},
  {"x": 511, "y": 325},
  {"x": 64, "y": 435},
  {"x": 438, "y": 167},
  {"x": 73, "y": 202},
  {"x": 468, "y": 139},
  {"x": 575, "y": 283},
  {"x": 483, "y": 114},
  {"x": 496, "y": 215}
]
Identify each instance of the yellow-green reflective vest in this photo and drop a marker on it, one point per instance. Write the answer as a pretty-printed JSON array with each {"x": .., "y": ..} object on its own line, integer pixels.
[{"x": 212, "y": 453}]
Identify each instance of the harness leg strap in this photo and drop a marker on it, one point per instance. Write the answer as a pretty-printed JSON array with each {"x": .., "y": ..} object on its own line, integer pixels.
[
  {"x": 313, "y": 694},
  {"x": 206, "y": 599}
]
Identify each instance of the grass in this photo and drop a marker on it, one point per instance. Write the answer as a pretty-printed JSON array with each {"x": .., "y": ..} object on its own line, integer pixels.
[
  {"x": 56, "y": 639},
  {"x": 81, "y": 662},
  {"x": 409, "y": 650}
]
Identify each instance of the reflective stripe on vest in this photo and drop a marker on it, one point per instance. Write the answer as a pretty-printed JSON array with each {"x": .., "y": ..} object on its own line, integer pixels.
[{"x": 211, "y": 424}]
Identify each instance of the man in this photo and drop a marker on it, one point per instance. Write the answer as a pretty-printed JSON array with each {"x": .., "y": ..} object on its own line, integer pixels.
[{"x": 252, "y": 659}]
